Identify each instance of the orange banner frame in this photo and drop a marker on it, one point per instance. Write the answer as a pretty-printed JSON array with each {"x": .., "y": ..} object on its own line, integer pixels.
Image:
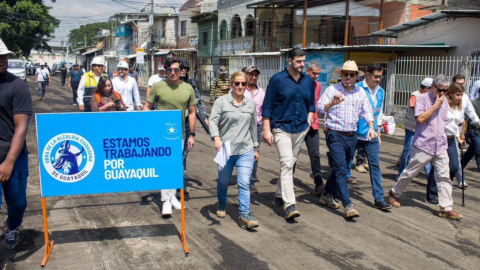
[{"x": 49, "y": 243}]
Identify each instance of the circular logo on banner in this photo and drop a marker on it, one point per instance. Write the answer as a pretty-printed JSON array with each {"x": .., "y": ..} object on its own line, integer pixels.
[{"x": 68, "y": 157}]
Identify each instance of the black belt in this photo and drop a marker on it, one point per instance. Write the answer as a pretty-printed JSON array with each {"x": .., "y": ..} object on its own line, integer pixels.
[{"x": 450, "y": 137}]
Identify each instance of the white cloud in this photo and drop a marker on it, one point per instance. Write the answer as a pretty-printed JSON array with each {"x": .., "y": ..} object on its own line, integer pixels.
[{"x": 73, "y": 13}]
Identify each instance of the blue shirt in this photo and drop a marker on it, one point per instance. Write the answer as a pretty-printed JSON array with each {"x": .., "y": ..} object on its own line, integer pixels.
[
  {"x": 288, "y": 102},
  {"x": 76, "y": 76}
]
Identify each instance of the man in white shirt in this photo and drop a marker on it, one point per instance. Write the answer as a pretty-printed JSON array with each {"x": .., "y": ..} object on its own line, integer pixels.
[
  {"x": 160, "y": 76},
  {"x": 127, "y": 87},
  {"x": 42, "y": 77}
]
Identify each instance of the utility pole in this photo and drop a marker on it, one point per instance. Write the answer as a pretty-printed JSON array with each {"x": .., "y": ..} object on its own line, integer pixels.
[
  {"x": 152, "y": 41},
  {"x": 68, "y": 39}
]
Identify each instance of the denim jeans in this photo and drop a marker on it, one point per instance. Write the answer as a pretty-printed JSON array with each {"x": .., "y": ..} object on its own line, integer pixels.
[
  {"x": 255, "y": 164},
  {"x": 372, "y": 151},
  {"x": 15, "y": 191},
  {"x": 431, "y": 183},
  {"x": 41, "y": 89},
  {"x": 244, "y": 164},
  {"x": 342, "y": 149},
  {"x": 473, "y": 149},
  {"x": 407, "y": 150}
]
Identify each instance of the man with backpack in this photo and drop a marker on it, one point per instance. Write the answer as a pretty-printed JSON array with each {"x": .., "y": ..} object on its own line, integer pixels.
[{"x": 42, "y": 77}]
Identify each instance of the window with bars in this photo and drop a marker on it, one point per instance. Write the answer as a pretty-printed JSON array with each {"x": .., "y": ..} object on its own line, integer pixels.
[
  {"x": 204, "y": 38},
  {"x": 183, "y": 28}
]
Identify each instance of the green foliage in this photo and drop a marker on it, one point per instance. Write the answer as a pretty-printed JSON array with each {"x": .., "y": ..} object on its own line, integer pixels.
[
  {"x": 90, "y": 31},
  {"x": 26, "y": 25}
]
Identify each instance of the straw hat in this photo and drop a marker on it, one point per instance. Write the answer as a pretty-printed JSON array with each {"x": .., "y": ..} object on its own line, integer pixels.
[
  {"x": 350, "y": 66},
  {"x": 4, "y": 50}
]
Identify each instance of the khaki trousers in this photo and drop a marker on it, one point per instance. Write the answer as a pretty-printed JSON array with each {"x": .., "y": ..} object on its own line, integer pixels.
[
  {"x": 418, "y": 160},
  {"x": 288, "y": 146}
]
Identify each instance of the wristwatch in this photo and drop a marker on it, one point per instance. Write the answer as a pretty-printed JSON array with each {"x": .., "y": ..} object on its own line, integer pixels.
[{"x": 192, "y": 134}]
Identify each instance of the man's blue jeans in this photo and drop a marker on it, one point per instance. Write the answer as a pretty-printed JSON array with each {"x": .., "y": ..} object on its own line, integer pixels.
[
  {"x": 244, "y": 164},
  {"x": 372, "y": 151},
  {"x": 15, "y": 191},
  {"x": 407, "y": 150},
  {"x": 342, "y": 149},
  {"x": 473, "y": 149}
]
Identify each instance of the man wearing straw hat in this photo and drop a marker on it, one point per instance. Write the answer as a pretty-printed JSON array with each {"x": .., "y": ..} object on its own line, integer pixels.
[
  {"x": 15, "y": 111},
  {"x": 344, "y": 104}
]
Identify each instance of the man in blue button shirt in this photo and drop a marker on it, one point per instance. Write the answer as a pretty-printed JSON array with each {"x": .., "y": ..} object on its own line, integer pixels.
[{"x": 287, "y": 112}]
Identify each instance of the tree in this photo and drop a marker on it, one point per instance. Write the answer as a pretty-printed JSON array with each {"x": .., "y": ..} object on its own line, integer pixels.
[
  {"x": 26, "y": 25},
  {"x": 89, "y": 32}
]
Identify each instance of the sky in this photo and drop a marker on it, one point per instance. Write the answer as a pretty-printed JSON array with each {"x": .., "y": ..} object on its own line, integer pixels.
[{"x": 74, "y": 13}]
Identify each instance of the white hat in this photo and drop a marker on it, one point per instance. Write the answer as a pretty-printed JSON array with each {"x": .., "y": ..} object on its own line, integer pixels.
[
  {"x": 98, "y": 60},
  {"x": 427, "y": 82},
  {"x": 160, "y": 67},
  {"x": 122, "y": 64},
  {"x": 4, "y": 50},
  {"x": 349, "y": 66}
]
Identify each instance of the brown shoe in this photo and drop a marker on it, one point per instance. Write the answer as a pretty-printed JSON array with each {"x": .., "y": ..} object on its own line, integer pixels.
[
  {"x": 452, "y": 214},
  {"x": 361, "y": 169},
  {"x": 393, "y": 201}
]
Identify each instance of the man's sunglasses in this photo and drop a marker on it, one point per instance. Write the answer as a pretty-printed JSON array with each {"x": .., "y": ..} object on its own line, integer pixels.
[
  {"x": 238, "y": 83},
  {"x": 176, "y": 70},
  {"x": 441, "y": 90},
  {"x": 122, "y": 70},
  {"x": 349, "y": 75}
]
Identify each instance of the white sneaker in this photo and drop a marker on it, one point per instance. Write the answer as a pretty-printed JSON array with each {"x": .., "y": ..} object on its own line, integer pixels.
[
  {"x": 167, "y": 208},
  {"x": 176, "y": 204}
]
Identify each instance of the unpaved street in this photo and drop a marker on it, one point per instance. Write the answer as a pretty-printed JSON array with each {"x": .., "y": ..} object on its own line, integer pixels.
[{"x": 126, "y": 230}]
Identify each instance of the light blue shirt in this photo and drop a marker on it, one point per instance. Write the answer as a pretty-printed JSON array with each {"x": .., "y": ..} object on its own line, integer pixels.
[{"x": 474, "y": 90}]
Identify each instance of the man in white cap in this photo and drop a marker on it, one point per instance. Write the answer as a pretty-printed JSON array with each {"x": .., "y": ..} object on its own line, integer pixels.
[
  {"x": 127, "y": 87},
  {"x": 344, "y": 104},
  {"x": 160, "y": 76},
  {"x": 88, "y": 83},
  {"x": 42, "y": 77},
  {"x": 15, "y": 112}
]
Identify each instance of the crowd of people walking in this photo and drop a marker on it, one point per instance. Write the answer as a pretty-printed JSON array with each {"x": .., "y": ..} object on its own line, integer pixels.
[{"x": 244, "y": 116}]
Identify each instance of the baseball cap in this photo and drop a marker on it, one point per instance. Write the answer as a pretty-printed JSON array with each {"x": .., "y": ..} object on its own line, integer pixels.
[
  {"x": 252, "y": 68},
  {"x": 427, "y": 82},
  {"x": 160, "y": 67}
]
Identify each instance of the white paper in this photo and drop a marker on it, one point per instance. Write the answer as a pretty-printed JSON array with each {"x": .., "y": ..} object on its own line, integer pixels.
[{"x": 223, "y": 155}]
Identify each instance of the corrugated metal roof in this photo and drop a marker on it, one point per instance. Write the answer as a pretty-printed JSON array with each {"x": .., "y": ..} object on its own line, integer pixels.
[
  {"x": 377, "y": 48},
  {"x": 256, "y": 54},
  {"x": 393, "y": 31}
]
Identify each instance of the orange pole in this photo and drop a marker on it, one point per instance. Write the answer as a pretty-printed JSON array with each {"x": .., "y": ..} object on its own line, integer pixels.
[
  {"x": 347, "y": 22},
  {"x": 182, "y": 232},
  {"x": 304, "y": 38},
  {"x": 48, "y": 244},
  {"x": 381, "y": 21}
]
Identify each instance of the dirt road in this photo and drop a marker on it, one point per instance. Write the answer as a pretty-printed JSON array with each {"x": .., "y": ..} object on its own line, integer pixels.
[{"x": 126, "y": 231}]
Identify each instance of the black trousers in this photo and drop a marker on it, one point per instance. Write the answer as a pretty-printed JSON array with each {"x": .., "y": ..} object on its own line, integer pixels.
[
  {"x": 63, "y": 76},
  {"x": 74, "y": 86},
  {"x": 312, "y": 139}
]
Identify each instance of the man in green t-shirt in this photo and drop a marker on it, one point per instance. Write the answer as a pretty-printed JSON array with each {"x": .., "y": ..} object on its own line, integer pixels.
[{"x": 174, "y": 94}]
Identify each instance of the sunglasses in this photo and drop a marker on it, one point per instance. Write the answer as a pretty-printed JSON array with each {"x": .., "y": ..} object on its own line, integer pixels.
[
  {"x": 238, "y": 83},
  {"x": 349, "y": 75},
  {"x": 122, "y": 70},
  {"x": 176, "y": 70},
  {"x": 441, "y": 90}
]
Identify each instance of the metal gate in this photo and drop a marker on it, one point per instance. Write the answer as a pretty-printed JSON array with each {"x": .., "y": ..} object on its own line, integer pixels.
[{"x": 409, "y": 71}]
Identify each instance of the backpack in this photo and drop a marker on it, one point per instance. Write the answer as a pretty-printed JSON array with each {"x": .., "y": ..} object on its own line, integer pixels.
[{"x": 117, "y": 96}]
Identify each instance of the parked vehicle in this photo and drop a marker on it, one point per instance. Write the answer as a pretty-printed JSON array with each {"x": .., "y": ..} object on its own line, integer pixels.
[
  {"x": 17, "y": 68},
  {"x": 55, "y": 68}
]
